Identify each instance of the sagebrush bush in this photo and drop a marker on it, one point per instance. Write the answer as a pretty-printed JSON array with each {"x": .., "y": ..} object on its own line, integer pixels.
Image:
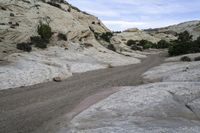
[
  {"x": 135, "y": 47},
  {"x": 35, "y": 39},
  {"x": 106, "y": 36},
  {"x": 43, "y": 44},
  {"x": 62, "y": 36},
  {"x": 38, "y": 42},
  {"x": 185, "y": 58},
  {"x": 163, "y": 44},
  {"x": 44, "y": 30},
  {"x": 143, "y": 42},
  {"x": 146, "y": 44},
  {"x": 131, "y": 42},
  {"x": 24, "y": 46}
]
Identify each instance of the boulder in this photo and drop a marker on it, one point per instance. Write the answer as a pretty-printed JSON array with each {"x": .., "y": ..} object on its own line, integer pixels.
[{"x": 57, "y": 79}]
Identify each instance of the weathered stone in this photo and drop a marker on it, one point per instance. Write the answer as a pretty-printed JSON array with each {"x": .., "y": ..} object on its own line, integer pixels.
[{"x": 57, "y": 79}]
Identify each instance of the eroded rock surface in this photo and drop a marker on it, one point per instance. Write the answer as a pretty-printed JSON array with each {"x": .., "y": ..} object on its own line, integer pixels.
[
  {"x": 171, "y": 106},
  {"x": 152, "y": 108}
]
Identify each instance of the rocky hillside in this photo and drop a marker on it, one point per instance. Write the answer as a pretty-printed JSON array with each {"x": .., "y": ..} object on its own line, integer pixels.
[
  {"x": 20, "y": 19},
  {"x": 77, "y": 43},
  {"x": 193, "y": 27},
  {"x": 166, "y": 33}
]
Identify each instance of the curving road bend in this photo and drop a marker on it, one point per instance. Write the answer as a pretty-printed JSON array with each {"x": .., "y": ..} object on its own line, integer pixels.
[{"x": 36, "y": 108}]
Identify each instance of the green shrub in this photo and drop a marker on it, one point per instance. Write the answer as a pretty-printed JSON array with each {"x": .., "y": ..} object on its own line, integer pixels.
[
  {"x": 111, "y": 47},
  {"x": 38, "y": 42},
  {"x": 35, "y": 39},
  {"x": 24, "y": 46},
  {"x": 184, "y": 45},
  {"x": 185, "y": 58},
  {"x": 55, "y": 4},
  {"x": 106, "y": 36},
  {"x": 62, "y": 36},
  {"x": 143, "y": 42},
  {"x": 135, "y": 47},
  {"x": 96, "y": 34},
  {"x": 179, "y": 49},
  {"x": 43, "y": 44},
  {"x": 131, "y": 42},
  {"x": 184, "y": 37},
  {"x": 197, "y": 59},
  {"x": 44, "y": 30},
  {"x": 195, "y": 46},
  {"x": 163, "y": 44},
  {"x": 147, "y": 46}
]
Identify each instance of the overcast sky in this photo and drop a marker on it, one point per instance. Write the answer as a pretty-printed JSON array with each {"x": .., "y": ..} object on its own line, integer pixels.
[{"x": 123, "y": 14}]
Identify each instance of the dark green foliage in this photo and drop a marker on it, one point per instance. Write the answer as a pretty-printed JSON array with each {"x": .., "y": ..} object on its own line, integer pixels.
[
  {"x": 54, "y": 4},
  {"x": 163, "y": 44},
  {"x": 43, "y": 44},
  {"x": 140, "y": 45},
  {"x": 184, "y": 45},
  {"x": 185, "y": 58},
  {"x": 106, "y": 36},
  {"x": 44, "y": 30},
  {"x": 184, "y": 37},
  {"x": 35, "y": 39},
  {"x": 24, "y": 46},
  {"x": 197, "y": 59},
  {"x": 111, "y": 47},
  {"x": 179, "y": 49},
  {"x": 96, "y": 34},
  {"x": 196, "y": 46},
  {"x": 62, "y": 36},
  {"x": 146, "y": 44},
  {"x": 135, "y": 47},
  {"x": 131, "y": 42},
  {"x": 38, "y": 42},
  {"x": 142, "y": 42}
]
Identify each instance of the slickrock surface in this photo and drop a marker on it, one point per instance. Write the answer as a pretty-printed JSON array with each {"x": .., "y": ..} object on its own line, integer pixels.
[{"x": 169, "y": 106}]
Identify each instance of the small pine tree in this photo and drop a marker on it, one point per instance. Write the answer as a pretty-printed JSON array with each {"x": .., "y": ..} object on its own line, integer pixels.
[{"x": 44, "y": 30}]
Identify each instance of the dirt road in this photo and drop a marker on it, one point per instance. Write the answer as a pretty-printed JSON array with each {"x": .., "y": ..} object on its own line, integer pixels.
[{"x": 31, "y": 109}]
